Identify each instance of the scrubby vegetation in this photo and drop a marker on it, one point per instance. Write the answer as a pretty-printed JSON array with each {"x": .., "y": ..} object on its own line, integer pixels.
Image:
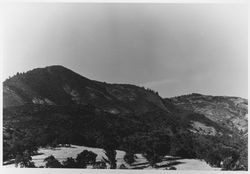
[
  {"x": 52, "y": 162},
  {"x": 129, "y": 157},
  {"x": 82, "y": 160}
]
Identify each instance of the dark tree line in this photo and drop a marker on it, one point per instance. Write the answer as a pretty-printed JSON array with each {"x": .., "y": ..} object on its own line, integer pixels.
[{"x": 30, "y": 127}]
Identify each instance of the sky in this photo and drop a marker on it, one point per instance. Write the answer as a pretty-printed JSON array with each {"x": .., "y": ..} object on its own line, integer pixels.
[{"x": 175, "y": 49}]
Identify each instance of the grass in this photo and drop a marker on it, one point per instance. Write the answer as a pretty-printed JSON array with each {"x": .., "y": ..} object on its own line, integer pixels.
[{"x": 62, "y": 153}]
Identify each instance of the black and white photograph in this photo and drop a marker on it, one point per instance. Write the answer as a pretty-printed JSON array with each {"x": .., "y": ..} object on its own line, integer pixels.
[{"x": 124, "y": 86}]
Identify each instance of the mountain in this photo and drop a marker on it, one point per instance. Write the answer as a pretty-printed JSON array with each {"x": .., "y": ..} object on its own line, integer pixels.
[
  {"x": 54, "y": 105},
  {"x": 57, "y": 85},
  {"x": 230, "y": 112}
]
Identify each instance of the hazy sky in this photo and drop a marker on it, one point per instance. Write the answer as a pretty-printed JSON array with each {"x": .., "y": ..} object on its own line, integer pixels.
[{"x": 174, "y": 49}]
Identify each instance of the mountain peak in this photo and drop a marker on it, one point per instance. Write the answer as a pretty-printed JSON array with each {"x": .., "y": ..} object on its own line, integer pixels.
[
  {"x": 61, "y": 86},
  {"x": 50, "y": 69},
  {"x": 57, "y": 67}
]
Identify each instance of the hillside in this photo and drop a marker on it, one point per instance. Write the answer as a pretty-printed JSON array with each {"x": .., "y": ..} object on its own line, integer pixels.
[
  {"x": 54, "y": 105},
  {"x": 57, "y": 85},
  {"x": 230, "y": 112}
]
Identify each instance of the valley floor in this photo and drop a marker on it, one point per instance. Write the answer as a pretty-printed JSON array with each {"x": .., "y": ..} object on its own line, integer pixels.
[{"x": 62, "y": 153}]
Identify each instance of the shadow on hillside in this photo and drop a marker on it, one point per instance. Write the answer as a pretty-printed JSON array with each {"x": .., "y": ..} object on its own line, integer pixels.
[
  {"x": 60, "y": 148},
  {"x": 70, "y": 147},
  {"x": 171, "y": 164},
  {"x": 140, "y": 167},
  {"x": 138, "y": 164},
  {"x": 36, "y": 154},
  {"x": 145, "y": 165},
  {"x": 171, "y": 158},
  {"x": 8, "y": 162}
]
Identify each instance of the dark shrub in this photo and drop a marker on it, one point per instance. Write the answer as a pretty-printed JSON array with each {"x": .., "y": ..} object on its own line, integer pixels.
[
  {"x": 99, "y": 165},
  {"x": 129, "y": 158},
  {"x": 85, "y": 157},
  {"x": 172, "y": 168},
  {"x": 111, "y": 158},
  {"x": 70, "y": 163},
  {"x": 152, "y": 157},
  {"x": 52, "y": 162},
  {"x": 155, "y": 147},
  {"x": 122, "y": 166},
  {"x": 24, "y": 159}
]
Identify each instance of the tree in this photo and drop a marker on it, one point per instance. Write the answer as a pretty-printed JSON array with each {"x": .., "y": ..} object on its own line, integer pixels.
[
  {"x": 214, "y": 159},
  {"x": 111, "y": 158},
  {"x": 228, "y": 164},
  {"x": 70, "y": 163},
  {"x": 129, "y": 157},
  {"x": 18, "y": 159},
  {"x": 85, "y": 157},
  {"x": 54, "y": 143},
  {"x": 109, "y": 142},
  {"x": 172, "y": 168},
  {"x": 26, "y": 160},
  {"x": 244, "y": 158},
  {"x": 155, "y": 147},
  {"x": 52, "y": 162},
  {"x": 122, "y": 166},
  {"x": 152, "y": 157},
  {"x": 99, "y": 165}
]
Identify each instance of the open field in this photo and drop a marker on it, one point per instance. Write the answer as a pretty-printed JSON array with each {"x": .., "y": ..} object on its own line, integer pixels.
[{"x": 62, "y": 153}]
